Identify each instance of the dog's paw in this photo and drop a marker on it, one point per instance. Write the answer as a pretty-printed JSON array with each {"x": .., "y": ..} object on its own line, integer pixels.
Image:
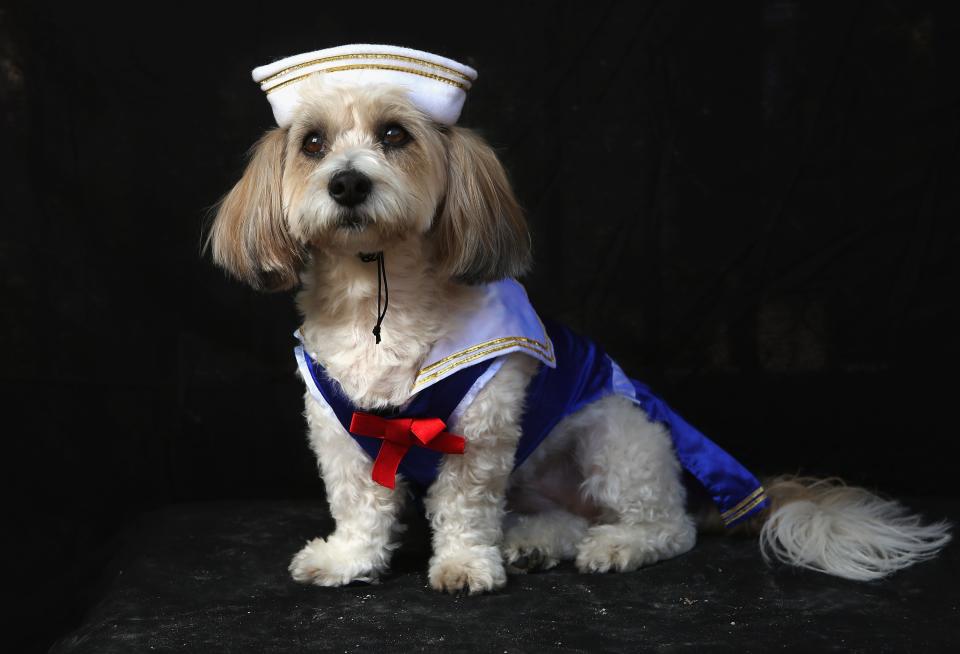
[
  {"x": 472, "y": 569},
  {"x": 621, "y": 548},
  {"x": 540, "y": 541},
  {"x": 605, "y": 552},
  {"x": 521, "y": 560},
  {"x": 334, "y": 562},
  {"x": 523, "y": 555}
]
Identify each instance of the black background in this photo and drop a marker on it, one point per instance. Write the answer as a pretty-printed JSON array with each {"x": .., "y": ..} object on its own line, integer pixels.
[{"x": 753, "y": 206}]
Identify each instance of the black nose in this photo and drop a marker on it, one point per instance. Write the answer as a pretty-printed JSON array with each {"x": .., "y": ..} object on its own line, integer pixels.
[{"x": 349, "y": 187}]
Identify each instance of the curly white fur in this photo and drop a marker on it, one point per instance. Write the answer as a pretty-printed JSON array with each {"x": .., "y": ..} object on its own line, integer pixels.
[
  {"x": 466, "y": 503},
  {"x": 623, "y": 472},
  {"x": 365, "y": 512}
]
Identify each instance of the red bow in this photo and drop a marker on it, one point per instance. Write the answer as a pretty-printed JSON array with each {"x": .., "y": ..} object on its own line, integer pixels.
[{"x": 399, "y": 435}]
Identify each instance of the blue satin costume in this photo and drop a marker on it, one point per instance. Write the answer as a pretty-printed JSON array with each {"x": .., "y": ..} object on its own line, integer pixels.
[{"x": 583, "y": 374}]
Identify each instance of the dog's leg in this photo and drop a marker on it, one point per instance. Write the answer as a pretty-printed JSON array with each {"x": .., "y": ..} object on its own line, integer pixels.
[
  {"x": 631, "y": 471},
  {"x": 465, "y": 504},
  {"x": 548, "y": 516},
  {"x": 366, "y": 513}
]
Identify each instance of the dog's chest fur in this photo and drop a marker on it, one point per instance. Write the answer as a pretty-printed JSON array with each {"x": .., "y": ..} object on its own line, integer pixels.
[{"x": 339, "y": 305}]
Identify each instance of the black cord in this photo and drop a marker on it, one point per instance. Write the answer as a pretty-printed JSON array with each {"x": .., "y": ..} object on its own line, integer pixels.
[{"x": 382, "y": 288}]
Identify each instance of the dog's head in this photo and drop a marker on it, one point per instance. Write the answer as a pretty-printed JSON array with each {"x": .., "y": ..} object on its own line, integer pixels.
[{"x": 360, "y": 168}]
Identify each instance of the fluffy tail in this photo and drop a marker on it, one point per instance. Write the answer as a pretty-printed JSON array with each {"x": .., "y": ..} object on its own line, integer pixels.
[{"x": 825, "y": 525}]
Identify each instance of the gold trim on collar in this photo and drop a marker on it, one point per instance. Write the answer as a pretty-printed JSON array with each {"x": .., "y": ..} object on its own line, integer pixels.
[
  {"x": 456, "y": 355},
  {"x": 376, "y": 55},
  {"x": 334, "y": 69},
  {"x": 515, "y": 341}
]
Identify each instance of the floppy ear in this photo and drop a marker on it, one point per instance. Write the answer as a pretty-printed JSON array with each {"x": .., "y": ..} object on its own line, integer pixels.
[
  {"x": 249, "y": 236},
  {"x": 481, "y": 233}
]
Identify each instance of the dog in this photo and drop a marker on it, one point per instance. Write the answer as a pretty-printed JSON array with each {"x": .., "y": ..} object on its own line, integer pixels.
[{"x": 360, "y": 176}]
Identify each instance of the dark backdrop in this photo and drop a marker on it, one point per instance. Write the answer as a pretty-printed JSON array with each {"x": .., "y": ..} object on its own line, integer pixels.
[{"x": 753, "y": 206}]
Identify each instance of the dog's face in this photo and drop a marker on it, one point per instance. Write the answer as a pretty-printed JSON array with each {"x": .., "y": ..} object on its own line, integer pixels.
[
  {"x": 360, "y": 168},
  {"x": 364, "y": 168}
]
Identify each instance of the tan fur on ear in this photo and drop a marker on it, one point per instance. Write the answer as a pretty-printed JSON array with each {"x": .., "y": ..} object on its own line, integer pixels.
[
  {"x": 482, "y": 235},
  {"x": 249, "y": 235}
]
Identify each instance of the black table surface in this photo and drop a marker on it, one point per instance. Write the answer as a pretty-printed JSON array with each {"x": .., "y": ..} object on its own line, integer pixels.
[{"x": 212, "y": 577}]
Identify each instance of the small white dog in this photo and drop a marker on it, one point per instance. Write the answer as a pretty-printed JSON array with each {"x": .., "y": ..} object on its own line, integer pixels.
[{"x": 361, "y": 169}]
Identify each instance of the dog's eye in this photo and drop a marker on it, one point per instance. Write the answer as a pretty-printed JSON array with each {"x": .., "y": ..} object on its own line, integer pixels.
[
  {"x": 395, "y": 136},
  {"x": 312, "y": 144}
]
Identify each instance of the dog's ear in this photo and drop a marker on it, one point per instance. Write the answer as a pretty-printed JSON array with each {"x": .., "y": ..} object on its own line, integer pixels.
[
  {"x": 249, "y": 236},
  {"x": 481, "y": 232}
]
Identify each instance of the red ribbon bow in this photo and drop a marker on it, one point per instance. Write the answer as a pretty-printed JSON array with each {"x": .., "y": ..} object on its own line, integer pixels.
[{"x": 399, "y": 435}]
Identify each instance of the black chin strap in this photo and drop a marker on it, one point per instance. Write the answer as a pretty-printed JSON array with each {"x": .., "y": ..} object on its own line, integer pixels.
[{"x": 382, "y": 290}]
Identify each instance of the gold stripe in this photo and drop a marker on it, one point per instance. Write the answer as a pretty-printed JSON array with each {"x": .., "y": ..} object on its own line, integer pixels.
[
  {"x": 462, "y": 362},
  {"x": 546, "y": 347},
  {"x": 479, "y": 355},
  {"x": 742, "y": 502},
  {"x": 480, "y": 346},
  {"x": 745, "y": 510},
  {"x": 380, "y": 55},
  {"x": 401, "y": 69}
]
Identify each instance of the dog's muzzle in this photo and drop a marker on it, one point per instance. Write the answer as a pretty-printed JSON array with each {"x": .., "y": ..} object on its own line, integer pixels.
[{"x": 353, "y": 220}]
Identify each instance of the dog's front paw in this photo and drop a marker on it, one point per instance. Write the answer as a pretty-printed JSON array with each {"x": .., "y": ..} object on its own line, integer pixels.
[
  {"x": 474, "y": 569},
  {"x": 336, "y": 562}
]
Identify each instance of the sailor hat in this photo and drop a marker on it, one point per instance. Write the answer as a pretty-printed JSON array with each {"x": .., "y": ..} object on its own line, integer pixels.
[{"x": 437, "y": 85}]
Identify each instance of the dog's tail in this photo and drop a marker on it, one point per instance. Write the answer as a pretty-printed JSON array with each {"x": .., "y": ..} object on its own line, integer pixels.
[{"x": 849, "y": 532}]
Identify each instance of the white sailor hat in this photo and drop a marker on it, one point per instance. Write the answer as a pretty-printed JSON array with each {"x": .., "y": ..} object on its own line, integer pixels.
[{"x": 438, "y": 86}]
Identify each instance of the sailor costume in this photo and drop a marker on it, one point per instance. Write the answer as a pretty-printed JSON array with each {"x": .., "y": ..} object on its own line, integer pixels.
[{"x": 574, "y": 373}]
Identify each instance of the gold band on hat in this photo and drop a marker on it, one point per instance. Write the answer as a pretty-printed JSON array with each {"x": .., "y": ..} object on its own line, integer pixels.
[
  {"x": 379, "y": 55},
  {"x": 334, "y": 69}
]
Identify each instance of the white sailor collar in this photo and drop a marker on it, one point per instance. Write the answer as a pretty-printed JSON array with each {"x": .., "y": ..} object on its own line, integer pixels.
[{"x": 500, "y": 322}]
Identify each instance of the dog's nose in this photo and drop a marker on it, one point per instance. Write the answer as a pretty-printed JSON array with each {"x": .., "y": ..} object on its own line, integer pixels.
[{"x": 349, "y": 187}]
